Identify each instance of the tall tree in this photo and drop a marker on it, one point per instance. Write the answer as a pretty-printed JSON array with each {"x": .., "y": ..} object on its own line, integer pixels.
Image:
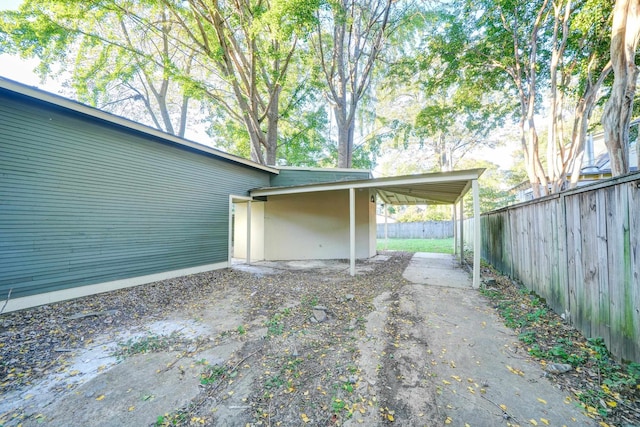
[
  {"x": 625, "y": 34},
  {"x": 251, "y": 45},
  {"x": 550, "y": 47},
  {"x": 234, "y": 55},
  {"x": 589, "y": 69},
  {"x": 113, "y": 62},
  {"x": 578, "y": 68},
  {"x": 349, "y": 37},
  {"x": 445, "y": 107}
]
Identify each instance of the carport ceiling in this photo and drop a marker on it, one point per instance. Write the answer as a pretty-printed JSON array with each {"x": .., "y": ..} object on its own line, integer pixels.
[{"x": 430, "y": 188}]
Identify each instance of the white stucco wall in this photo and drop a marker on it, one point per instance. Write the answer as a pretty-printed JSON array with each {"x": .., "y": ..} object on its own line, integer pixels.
[
  {"x": 316, "y": 226},
  {"x": 257, "y": 231}
]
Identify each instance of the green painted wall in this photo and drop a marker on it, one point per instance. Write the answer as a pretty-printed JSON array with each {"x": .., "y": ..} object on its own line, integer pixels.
[
  {"x": 84, "y": 202},
  {"x": 292, "y": 177}
]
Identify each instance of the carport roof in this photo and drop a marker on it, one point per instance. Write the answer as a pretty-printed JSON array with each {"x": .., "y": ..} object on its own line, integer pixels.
[{"x": 429, "y": 188}]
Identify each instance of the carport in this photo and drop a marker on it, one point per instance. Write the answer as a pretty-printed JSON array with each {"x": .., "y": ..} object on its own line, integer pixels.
[{"x": 442, "y": 188}]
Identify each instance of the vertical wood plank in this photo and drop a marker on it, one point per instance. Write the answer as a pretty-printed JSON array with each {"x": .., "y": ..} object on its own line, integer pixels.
[
  {"x": 615, "y": 260},
  {"x": 589, "y": 302},
  {"x": 634, "y": 290},
  {"x": 563, "y": 285},
  {"x": 603, "y": 327}
]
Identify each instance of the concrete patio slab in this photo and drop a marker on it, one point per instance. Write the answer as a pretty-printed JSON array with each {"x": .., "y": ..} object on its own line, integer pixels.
[{"x": 437, "y": 270}]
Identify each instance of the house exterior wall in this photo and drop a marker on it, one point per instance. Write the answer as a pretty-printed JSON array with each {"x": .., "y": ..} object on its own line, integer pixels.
[
  {"x": 316, "y": 226},
  {"x": 84, "y": 202},
  {"x": 257, "y": 231}
]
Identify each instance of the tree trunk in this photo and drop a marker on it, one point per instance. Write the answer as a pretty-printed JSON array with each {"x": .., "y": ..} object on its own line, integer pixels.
[
  {"x": 617, "y": 112},
  {"x": 272, "y": 127},
  {"x": 581, "y": 125},
  {"x": 358, "y": 33},
  {"x": 345, "y": 138}
]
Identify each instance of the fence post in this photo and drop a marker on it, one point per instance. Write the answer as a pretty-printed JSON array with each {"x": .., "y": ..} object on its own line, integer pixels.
[
  {"x": 461, "y": 232},
  {"x": 455, "y": 231},
  {"x": 476, "y": 231}
]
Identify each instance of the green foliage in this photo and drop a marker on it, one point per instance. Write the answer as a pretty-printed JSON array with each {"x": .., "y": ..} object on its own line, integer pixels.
[
  {"x": 424, "y": 213},
  {"x": 148, "y": 344},
  {"x": 275, "y": 325},
  {"x": 605, "y": 384},
  {"x": 442, "y": 246},
  {"x": 337, "y": 405},
  {"x": 302, "y": 140},
  {"x": 213, "y": 374},
  {"x": 494, "y": 186}
]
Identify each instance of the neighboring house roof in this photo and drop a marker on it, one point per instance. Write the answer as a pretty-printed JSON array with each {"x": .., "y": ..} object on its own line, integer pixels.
[
  {"x": 112, "y": 119},
  {"x": 429, "y": 188}
]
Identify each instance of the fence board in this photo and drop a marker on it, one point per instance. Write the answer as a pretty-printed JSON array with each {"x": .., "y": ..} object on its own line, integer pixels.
[
  {"x": 634, "y": 279},
  {"x": 417, "y": 230},
  {"x": 602, "y": 304},
  {"x": 581, "y": 252}
]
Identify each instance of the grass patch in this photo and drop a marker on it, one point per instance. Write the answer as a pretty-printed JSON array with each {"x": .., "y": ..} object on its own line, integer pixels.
[
  {"x": 148, "y": 344},
  {"x": 441, "y": 246}
]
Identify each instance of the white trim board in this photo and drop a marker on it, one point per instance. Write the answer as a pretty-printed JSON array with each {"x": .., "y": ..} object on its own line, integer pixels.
[
  {"x": 431, "y": 178},
  {"x": 83, "y": 291}
]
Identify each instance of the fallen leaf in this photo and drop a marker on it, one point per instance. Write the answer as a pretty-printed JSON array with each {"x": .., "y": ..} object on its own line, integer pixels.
[
  {"x": 534, "y": 422},
  {"x": 100, "y": 397},
  {"x": 544, "y": 421},
  {"x": 448, "y": 420},
  {"x": 515, "y": 371},
  {"x": 304, "y": 417},
  {"x": 542, "y": 401}
]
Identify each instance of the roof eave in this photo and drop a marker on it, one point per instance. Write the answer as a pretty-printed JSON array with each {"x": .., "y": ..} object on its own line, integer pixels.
[{"x": 430, "y": 178}]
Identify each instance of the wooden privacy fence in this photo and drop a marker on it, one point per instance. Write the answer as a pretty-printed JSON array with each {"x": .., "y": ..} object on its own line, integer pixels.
[
  {"x": 580, "y": 250},
  {"x": 417, "y": 230}
]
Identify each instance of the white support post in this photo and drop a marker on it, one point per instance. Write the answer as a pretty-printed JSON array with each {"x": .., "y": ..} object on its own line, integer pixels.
[
  {"x": 386, "y": 234},
  {"x": 455, "y": 229},
  {"x": 477, "y": 235},
  {"x": 230, "y": 244},
  {"x": 461, "y": 232},
  {"x": 352, "y": 231},
  {"x": 249, "y": 232}
]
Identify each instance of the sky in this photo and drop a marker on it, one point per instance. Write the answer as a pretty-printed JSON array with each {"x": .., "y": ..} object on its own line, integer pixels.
[{"x": 18, "y": 69}]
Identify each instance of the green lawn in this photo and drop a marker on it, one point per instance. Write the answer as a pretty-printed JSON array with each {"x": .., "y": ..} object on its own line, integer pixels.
[{"x": 442, "y": 246}]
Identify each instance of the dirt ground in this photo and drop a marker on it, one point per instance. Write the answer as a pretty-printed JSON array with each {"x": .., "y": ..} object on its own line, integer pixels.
[{"x": 281, "y": 344}]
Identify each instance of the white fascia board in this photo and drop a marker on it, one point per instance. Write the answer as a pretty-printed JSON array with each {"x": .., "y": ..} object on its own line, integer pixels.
[
  {"x": 302, "y": 168},
  {"x": 69, "y": 104},
  {"x": 466, "y": 175}
]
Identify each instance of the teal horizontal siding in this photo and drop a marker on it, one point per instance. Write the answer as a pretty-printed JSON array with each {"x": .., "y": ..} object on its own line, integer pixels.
[
  {"x": 85, "y": 202},
  {"x": 292, "y": 177}
]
